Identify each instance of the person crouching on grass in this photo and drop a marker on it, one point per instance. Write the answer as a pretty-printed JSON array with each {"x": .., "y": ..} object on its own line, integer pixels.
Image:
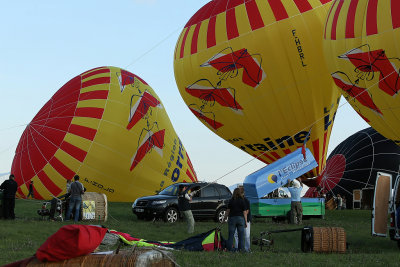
[
  {"x": 237, "y": 219},
  {"x": 184, "y": 199}
]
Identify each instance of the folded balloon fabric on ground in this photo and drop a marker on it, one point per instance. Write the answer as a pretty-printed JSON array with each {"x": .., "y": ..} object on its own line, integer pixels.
[{"x": 72, "y": 241}]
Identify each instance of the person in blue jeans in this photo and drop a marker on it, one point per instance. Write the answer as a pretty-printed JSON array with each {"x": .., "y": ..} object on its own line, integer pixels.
[
  {"x": 247, "y": 229},
  {"x": 237, "y": 219},
  {"x": 76, "y": 190}
]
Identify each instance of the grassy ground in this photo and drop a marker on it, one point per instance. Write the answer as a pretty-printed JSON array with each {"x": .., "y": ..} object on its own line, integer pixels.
[{"x": 20, "y": 239}]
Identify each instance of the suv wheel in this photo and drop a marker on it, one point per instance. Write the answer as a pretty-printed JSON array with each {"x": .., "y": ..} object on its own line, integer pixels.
[
  {"x": 220, "y": 215},
  {"x": 171, "y": 215}
]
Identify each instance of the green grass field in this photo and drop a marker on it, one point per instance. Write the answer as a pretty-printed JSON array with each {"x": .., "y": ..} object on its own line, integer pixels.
[{"x": 22, "y": 237}]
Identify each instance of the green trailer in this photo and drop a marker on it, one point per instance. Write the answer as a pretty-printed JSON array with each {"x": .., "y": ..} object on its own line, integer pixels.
[{"x": 280, "y": 207}]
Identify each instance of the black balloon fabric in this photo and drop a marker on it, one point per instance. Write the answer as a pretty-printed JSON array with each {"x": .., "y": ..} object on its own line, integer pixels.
[{"x": 355, "y": 162}]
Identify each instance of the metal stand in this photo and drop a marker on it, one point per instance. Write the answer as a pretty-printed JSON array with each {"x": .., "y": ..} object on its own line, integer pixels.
[
  {"x": 265, "y": 239},
  {"x": 313, "y": 239}
]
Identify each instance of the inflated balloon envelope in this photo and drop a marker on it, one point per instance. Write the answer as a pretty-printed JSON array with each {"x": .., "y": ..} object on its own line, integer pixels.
[
  {"x": 253, "y": 72},
  {"x": 279, "y": 173},
  {"x": 108, "y": 126},
  {"x": 355, "y": 162},
  {"x": 361, "y": 45}
]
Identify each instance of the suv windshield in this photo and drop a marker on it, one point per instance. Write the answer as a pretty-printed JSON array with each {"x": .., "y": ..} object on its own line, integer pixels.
[{"x": 171, "y": 190}]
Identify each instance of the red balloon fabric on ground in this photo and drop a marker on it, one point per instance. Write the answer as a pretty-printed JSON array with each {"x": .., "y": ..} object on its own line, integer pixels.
[{"x": 71, "y": 241}]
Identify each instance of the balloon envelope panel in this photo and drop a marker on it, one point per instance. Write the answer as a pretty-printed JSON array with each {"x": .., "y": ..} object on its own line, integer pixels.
[
  {"x": 361, "y": 49},
  {"x": 253, "y": 73},
  {"x": 108, "y": 126}
]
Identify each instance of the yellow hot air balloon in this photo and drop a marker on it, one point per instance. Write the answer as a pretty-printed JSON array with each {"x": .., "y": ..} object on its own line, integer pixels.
[
  {"x": 253, "y": 72},
  {"x": 108, "y": 126},
  {"x": 361, "y": 45}
]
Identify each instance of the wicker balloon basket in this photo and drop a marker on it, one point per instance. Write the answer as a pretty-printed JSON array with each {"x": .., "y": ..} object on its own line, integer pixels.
[
  {"x": 330, "y": 204},
  {"x": 94, "y": 206},
  {"x": 137, "y": 257},
  {"x": 329, "y": 240},
  {"x": 323, "y": 240}
]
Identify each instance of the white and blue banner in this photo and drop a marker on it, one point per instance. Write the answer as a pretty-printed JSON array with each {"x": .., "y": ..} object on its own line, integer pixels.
[{"x": 278, "y": 173}]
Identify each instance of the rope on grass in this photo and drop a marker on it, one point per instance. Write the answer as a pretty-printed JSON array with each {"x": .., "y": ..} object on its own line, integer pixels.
[{"x": 112, "y": 217}]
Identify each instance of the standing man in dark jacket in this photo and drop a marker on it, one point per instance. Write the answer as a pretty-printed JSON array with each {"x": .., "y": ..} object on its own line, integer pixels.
[
  {"x": 76, "y": 190},
  {"x": 184, "y": 207},
  {"x": 9, "y": 189}
]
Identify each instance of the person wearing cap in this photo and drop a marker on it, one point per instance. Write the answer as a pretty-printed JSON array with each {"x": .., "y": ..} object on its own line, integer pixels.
[
  {"x": 296, "y": 209},
  {"x": 76, "y": 190},
  {"x": 184, "y": 199},
  {"x": 9, "y": 188}
]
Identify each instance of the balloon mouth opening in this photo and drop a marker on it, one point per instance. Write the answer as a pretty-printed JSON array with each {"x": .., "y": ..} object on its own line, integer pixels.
[
  {"x": 333, "y": 172},
  {"x": 331, "y": 176}
]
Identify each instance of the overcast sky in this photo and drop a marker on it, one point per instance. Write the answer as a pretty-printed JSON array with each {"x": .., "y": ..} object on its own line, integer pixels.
[{"x": 46, "y": 43}]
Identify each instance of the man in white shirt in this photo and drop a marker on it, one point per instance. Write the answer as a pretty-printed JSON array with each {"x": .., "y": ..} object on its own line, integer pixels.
[{"x": 296, "y": 209}]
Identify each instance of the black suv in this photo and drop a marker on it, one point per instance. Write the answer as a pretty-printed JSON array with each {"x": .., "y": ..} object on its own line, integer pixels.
[{"x": 210, "y": 201}]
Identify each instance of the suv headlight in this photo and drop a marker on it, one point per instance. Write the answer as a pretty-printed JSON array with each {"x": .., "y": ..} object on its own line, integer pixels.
[
  {"x": 134, "y": 203},
  {"x": 158, "y": 202}
]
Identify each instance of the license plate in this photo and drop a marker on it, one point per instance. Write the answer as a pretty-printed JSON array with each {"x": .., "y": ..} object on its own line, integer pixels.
[{"x": 139, "y": 210}]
